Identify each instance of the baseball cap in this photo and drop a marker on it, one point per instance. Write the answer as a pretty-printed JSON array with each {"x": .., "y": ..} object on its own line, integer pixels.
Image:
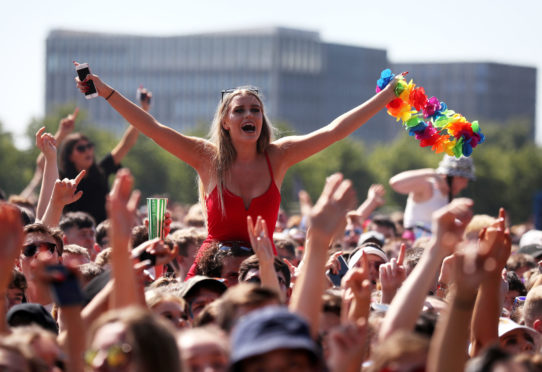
[
  {"x": 269, "y": 329},
  {"x": 31, "y": 313},
  {"x": 201, "y": 281}
]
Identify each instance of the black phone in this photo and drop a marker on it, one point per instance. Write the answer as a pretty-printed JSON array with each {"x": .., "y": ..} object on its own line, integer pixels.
[
  {"x": 82, "y": 71},
  {"x": 65, "y": 286},
  {"x": 336, "y": 278},
  {"x": 143, "y": 96}
]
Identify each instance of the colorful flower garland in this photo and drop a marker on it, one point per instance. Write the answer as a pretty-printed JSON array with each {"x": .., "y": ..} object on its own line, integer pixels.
[{"x": 430, "y": 120}]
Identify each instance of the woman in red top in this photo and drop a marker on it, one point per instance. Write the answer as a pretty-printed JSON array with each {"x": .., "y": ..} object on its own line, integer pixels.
[{"x": 241, "y": 167}]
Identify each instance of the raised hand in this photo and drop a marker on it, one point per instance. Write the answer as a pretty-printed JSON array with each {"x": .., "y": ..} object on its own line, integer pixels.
[
  {"x": 260, "y": 241},
  {"x": 102, "y": 88},
  {"x": 146, "y": 96},
  {"x": 376, "y": 194},
  {"x": 449, "y": 223},
  {"x": 47, "y": 144},
  {"x": 333, "y": 264},
  {"x": 122, "y": 203},
  {"x": 65, "y": 191},
  {"x": 495, "y": 244},
  {"x": 328, "y": 216},
  {"x": 357, "y": 282},
  {"x": 67, "y": 124},
  {"x": 158, "y": 249},
  {"x": 392, "y": 275}
]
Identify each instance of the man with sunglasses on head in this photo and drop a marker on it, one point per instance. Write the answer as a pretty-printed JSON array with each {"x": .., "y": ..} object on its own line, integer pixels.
[{"x": 41, "y": 246}]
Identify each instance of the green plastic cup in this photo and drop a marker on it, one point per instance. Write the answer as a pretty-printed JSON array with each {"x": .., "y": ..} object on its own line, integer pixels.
[{"x": 156, "y": 212}]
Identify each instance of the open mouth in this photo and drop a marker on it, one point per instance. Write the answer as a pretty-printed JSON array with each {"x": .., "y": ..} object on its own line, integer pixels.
[{"x": 249, "y": 128}]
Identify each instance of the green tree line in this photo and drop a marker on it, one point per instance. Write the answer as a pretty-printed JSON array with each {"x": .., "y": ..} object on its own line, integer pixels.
[{"x": 508, "y": 165}]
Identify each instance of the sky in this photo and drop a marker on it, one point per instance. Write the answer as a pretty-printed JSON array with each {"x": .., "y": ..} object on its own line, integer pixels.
[{"x": 411, "y": 31}]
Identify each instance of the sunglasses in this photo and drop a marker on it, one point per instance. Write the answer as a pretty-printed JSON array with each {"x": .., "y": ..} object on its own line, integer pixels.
[
  {"x": 83, "y": 148},
  {"x": 355, "y": 231},
  {"x": 225, "y": 92},
  {"x": 116, "y": 355},
  {"x": 235, "y": 247},
  {"x": 31, "y": 249}
]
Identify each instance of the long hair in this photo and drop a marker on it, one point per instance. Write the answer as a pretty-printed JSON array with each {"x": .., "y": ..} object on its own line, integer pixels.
[
  {"x": 225, "y": 151},
  {"x": 67, "y": 168},
  {"x": 153, "y": 345}
]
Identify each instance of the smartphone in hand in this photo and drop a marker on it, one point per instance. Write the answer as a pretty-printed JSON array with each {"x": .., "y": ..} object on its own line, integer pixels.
[
  {"x": 336, "y": 278},
  {"x": 82, "y": 71},
  {"x": 65, "y": 286},
  {"x": 142, "y": 95}
]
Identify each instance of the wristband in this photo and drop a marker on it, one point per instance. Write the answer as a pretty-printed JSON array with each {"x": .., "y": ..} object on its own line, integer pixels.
[
  {"x": 429, "y": 120},
  {"x": 110, "y": 94}
]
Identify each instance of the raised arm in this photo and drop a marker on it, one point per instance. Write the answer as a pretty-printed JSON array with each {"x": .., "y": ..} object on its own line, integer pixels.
[
  {"x": 293, "y": 149},
  {"x": 196, "y": 152},
  {"x": 47, "y": 145},
  {"x": 449, "y": 223},
  {"x": 327, "y": 217},
  {"x": 121, "y": 207},
  {"x": 129, "y": 137},
  {"x": 417, "y": 181},
  {"x": 375, "y": 198},
  {"x": 496, "y": 245}
]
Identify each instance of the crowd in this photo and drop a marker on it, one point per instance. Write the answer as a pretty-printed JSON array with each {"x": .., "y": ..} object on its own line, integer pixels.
[{"x": 238, "y": 285}]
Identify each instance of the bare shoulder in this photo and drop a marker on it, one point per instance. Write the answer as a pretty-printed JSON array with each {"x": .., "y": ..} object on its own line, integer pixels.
[
  {"x": 423, "y": 191},
  {"x": 277, "y": 158}
]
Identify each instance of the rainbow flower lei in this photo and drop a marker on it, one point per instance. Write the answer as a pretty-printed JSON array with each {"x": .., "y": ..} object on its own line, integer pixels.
[{"x": 430, "y": 120}]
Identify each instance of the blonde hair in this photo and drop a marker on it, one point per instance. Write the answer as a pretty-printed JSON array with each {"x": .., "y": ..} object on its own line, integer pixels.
[{"x": 225, "y": 153}]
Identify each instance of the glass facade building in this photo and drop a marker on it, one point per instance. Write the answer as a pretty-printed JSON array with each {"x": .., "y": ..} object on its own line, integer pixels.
[
  {"x": 480, "y": 91},
  {"x": 304, "y": 81}
]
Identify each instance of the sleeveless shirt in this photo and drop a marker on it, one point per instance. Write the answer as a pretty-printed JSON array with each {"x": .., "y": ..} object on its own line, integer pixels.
[
  {"x": 421, "y": 213},
  {"x": 232, "y": 225}
]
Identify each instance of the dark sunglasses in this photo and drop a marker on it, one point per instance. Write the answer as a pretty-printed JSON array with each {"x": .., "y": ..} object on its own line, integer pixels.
[
  {"x": 31, "y": 249},
  {"x": 231, "y": 90},
  {"x": 235, "y": 247},
  {"x": 83, "y": 148}
]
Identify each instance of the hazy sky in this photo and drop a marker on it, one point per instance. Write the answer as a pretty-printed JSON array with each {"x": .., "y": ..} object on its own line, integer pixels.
[{"x": 460, "y": 30}]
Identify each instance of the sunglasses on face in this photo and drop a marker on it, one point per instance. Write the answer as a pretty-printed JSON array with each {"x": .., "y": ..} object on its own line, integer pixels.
[
  {"x": 355, "y": 231},
  {"x": 31, "y": 249},
  {"x": 225, "y": 92},
  {"x": 83, "y": 148},
  {"x": 116, "y": 355},
  {"x": 235, "y": 247}
]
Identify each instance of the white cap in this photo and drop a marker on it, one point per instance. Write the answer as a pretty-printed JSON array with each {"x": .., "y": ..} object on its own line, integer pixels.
[{"x": 507, "y": 325}]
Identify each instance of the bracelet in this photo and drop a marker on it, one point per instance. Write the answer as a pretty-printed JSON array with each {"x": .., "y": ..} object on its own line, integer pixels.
[
  {"x": 110, "y": 94},
  {"x": 429, "y": 119}
]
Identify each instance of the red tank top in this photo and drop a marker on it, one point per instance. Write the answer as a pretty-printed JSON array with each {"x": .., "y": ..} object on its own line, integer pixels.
[{"x": 232, "y": 225}]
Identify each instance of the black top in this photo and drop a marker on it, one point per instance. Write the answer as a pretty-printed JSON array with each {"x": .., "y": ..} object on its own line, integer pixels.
[{"x": 95, "y": 188}]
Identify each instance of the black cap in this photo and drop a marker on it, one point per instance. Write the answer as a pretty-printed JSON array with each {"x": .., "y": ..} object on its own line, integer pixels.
[{"x": 31, "y": 313}]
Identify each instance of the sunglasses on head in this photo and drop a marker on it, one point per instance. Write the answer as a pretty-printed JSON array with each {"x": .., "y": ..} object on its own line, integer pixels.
[
  {"x": 31, "y": 249},
  {"x": 225, "y": 92},
  {"x": 116, "y": 355},
  {"x": 83, "y": 148}
]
